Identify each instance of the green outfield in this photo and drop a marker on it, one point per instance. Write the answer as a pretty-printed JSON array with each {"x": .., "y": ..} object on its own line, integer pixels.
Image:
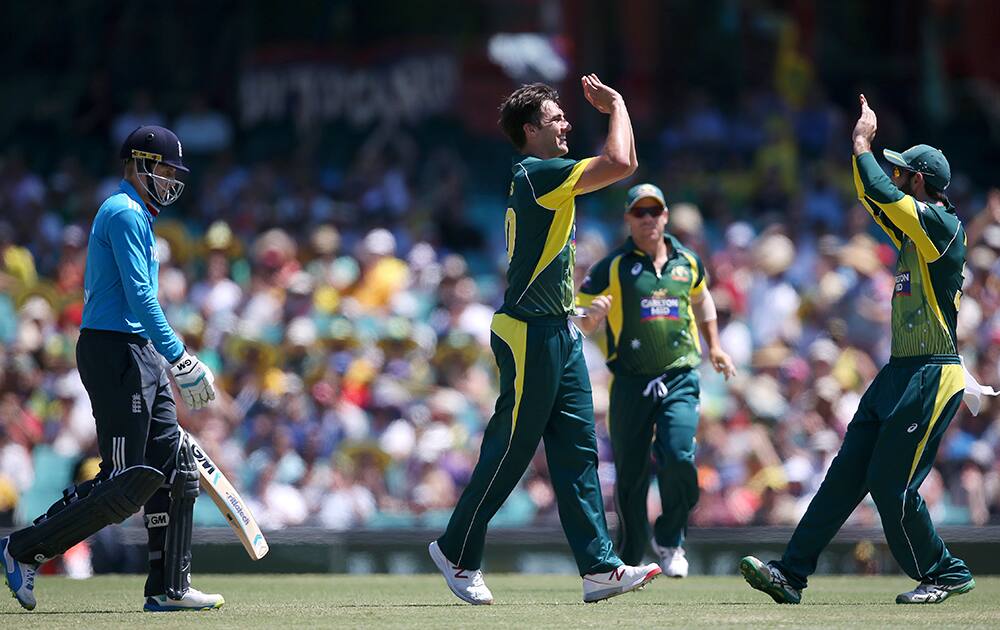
[{"x": 535, "y": 601}]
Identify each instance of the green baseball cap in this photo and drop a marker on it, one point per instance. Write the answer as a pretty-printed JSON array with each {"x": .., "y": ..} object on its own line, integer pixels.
[
  {"x": 642, "y": 191},
  {"x": 923, "y": 159}
]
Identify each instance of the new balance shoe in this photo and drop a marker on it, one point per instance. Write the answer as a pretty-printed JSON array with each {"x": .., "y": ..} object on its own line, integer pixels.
[
  {"x": 934, "y": 593},
  {"x": 192, "y": 600},
  {"x": 598, "y": 586},
  {"x": 466, "y": 584},
  {"x": 769, "y": 579},
  {"x": 20, "y": 577},
  {"x": 672, "y": 560}
]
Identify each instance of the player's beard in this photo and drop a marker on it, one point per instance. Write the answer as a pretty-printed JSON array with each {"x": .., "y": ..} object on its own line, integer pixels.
[{"x": 907, "y": 186}]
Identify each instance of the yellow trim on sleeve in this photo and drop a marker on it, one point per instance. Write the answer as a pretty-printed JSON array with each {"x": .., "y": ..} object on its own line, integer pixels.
[
  {"x": 928, "y": 288},
  {"x": 584, "y": 300},
  {"x": 860, "y": 188},
  {"x": 616, "y": 316},
  {"x": 891, "y": 234},
  {"x": 563, "y": 193},
  {"x": 904, "y": 215},
  {"x": 952, "y": 381},
  {"x": 695, "y": 289},
  {"x": 514, "y": 333}
]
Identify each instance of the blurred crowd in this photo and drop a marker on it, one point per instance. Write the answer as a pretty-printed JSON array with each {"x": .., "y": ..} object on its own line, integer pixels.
[{"x": 345, "y": 309}]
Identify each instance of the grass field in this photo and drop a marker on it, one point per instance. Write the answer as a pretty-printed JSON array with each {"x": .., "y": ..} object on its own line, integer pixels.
[{"x": 535, "y": 601}]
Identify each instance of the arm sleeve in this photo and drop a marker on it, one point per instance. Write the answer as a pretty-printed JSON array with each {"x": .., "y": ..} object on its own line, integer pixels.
[
  {"x": 895, "y": 234},
  {"x": 594, "y": 284},
  {"x": 125, "y": 233},
  {"x": 930, "y": 227},
  {"x": 552, "y": 181},
  {"x": 700, "y": 280}
]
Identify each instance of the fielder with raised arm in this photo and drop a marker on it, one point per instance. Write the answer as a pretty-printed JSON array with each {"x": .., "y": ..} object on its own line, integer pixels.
[
  {"x": 544, "y": 385},
  {"x": 146, "y": 462},
  {"x": 893, "y": 438}
]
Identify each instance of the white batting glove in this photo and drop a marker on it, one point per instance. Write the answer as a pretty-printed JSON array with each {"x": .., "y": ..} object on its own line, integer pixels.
[{"x": 195, "y": 380}]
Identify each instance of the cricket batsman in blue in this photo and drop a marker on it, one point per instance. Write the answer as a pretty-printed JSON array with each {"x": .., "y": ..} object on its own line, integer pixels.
[{"x": 147, "y": 463}]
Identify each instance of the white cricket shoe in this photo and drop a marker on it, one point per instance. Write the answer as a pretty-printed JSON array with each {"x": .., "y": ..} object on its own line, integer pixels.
[
  {"x": 598, "y": 586},
  {"x": 192, "y": 600},
  {"x": 20, "y": 577},
  {"x": 934, "y": 593},
  {"x": 672, "y": 560},
  {"x": 467, "y": 585}
]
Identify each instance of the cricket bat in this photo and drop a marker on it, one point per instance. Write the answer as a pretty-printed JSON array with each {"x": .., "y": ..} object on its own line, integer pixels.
[{"x": 229, "y": 502}]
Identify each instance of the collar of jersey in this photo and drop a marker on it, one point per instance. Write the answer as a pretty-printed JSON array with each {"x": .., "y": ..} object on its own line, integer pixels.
[
  {"x": 518, "y": 160},
  {"x": 130, "y": 190},
  {"x": 675, "y": 246}
]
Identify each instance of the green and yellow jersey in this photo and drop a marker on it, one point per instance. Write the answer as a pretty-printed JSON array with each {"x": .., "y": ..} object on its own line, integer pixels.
[
  {"x": 650, "y": 327},
  {"x": 929, "y": 270},
  {"x": 540, "y": 227}
]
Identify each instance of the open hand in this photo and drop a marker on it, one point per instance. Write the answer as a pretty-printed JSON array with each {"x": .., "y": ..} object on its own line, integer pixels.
[{"x": 603, "y": 98}]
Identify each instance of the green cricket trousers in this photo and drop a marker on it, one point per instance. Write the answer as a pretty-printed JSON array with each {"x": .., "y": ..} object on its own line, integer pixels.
[
  {"x": 659, "y": 413},
  {"x": 888, "y": 450},
  {"x": 545, "y": 395}
]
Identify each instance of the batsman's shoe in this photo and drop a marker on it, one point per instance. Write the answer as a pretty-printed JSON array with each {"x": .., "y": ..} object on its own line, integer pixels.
[
  {"x": 598, "y": 586},
  {"x": 20, "y": 577},
  {"x": 192, "y": 600},
  {"x": 468, "y": 585},
  {"x": 672, "y": 560},
  {"x": 769, "y": 579},
  {"x": 934, "y": 593}
]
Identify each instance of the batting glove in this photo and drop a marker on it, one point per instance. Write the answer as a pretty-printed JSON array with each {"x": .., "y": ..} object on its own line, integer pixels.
[{"x": 195, "y": 380}]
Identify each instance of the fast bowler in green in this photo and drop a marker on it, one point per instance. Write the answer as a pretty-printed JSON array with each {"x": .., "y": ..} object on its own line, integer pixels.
[
  {"x": 891, "y": 443},
  {"x": 654, "y": 294},
  {"x": 544, "y": 385}
]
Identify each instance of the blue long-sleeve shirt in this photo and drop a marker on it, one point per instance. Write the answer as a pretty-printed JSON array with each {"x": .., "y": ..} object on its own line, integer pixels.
[{"x": 121, "y": 280}]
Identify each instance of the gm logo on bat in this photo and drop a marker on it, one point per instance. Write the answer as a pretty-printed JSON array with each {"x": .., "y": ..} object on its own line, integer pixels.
[{"x": 206, "y": 463}]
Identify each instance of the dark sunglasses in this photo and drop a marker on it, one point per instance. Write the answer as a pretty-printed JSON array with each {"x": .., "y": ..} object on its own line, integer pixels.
[{"x": 651, "y": 211}]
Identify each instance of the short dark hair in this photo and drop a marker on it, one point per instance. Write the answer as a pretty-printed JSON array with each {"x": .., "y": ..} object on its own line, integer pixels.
[{"x": 524, "y": 105}]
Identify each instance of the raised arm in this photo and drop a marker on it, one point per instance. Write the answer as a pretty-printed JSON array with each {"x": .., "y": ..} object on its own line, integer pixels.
[
  {"x": 618, "y": 159},
  {"x": 899, "y": 214}
]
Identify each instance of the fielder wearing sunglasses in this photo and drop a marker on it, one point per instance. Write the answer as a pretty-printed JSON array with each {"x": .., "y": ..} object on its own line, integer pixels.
[{"x": 653, "y": 292}]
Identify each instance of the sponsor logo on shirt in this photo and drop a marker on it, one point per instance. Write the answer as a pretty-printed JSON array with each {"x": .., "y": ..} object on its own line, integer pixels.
[
  {"x": 636, "y": 269},
  {"x": 902, "y": 283},
  {"x": 659, "y": 305},
  {"x": 681, "y": 274}
]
